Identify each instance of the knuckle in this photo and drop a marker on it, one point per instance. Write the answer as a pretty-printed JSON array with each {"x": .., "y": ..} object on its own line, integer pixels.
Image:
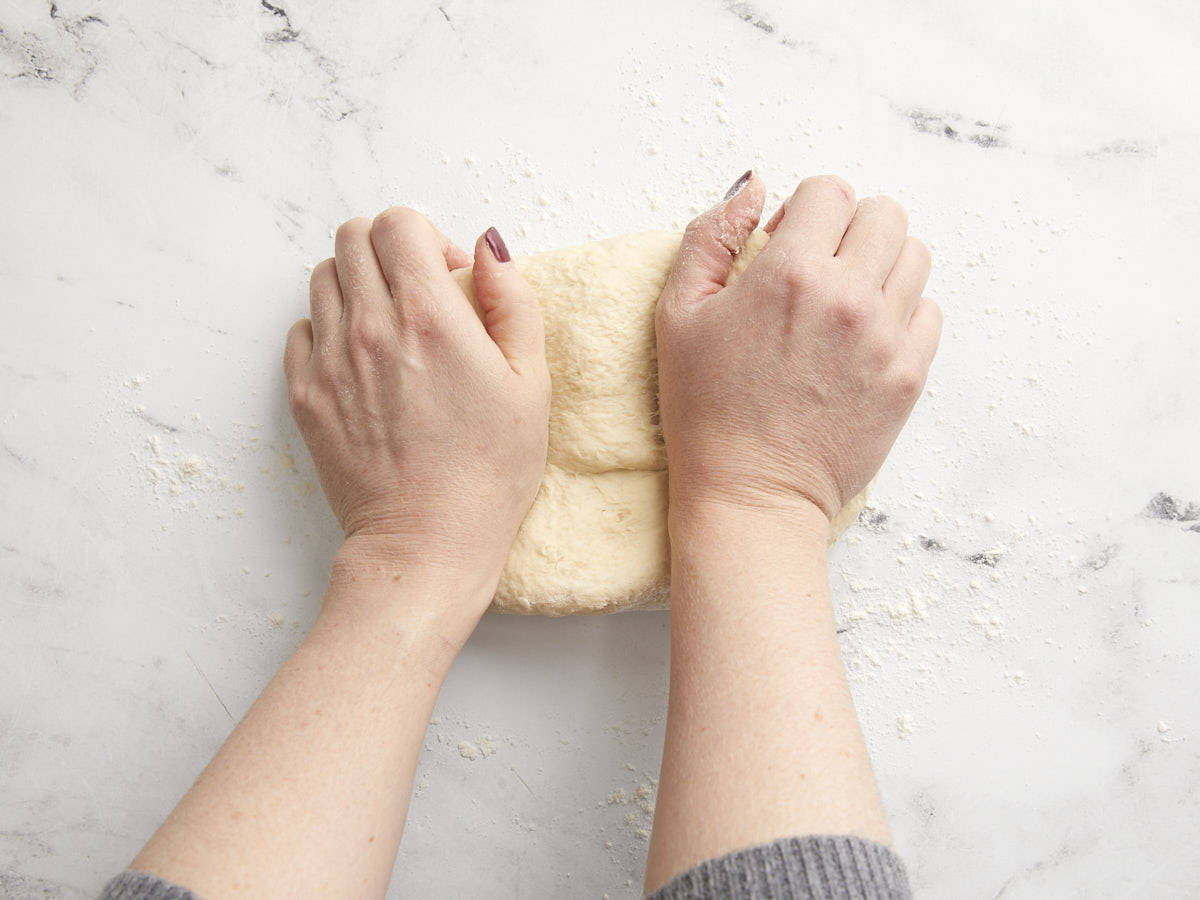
[
  {"x": 881, "y": 354},
  {"x": 888, "y": 208},
  {"x": 396, "y": 220},
  {"x": 323, "y": 271},
  {"x": 351, "y": 229},
  {"x": 423, "y": 316},
  {"x": 368, "y": 333},
  {"x": 834, "y": 186},
  {"x": 789, "y": 273},
  {"x": 926, "y": 325},
  {"x": 853, "y": 309},
  {"x": 298, "y": 337},
  {"x": 921, "y": 251},
  {"x": 328, "y": 369},
  {"x": 935, "y": 311},
  {"x": 799, "y": 276},
  {"x": 299, "y": 396},
  {"x": 296, "y": 331},
  {"x": 908, "y": 379}
]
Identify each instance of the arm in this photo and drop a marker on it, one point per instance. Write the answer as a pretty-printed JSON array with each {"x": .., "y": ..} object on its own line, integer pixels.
[
  {"x": 312, "y": 787},
  {"x": 780, "y": 397},
  {"x": 762, "y": 738},
  {"x": 428, "y": 430}
]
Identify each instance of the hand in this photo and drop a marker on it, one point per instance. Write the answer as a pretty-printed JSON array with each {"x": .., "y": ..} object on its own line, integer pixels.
[
  {"x": 427, "y": 422},
  {"x": 427, "y": 425},
  {"x": 793, "y": 383}
]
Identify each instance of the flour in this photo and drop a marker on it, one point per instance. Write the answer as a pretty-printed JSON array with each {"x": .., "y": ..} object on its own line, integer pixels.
[
  {"x": 467, "y": 750},
  {"x": 180, "y": 474},
  {"x": 637, "y": 802},
  {"x": 520, "y": 823},
  {"x": 210, "y": 481},
  {"x": 1164, "y": 733},
  {"x": 485, "y": 747}
]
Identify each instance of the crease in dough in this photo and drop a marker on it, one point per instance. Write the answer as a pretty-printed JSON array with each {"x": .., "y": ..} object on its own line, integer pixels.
[{"x": 595, "y": 538}]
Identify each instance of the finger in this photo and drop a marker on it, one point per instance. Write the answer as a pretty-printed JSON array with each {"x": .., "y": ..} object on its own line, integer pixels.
[
  {"x": 413, "y": 256},
  {"x": 874, "y": 237},
  {"x": 324, "y": 299},
  {"x": 358, "y": 272},
  {"x": 902, "y": 289},
  {"x": 712, "y": 240},
  {"x": 456, "y": 256},
  {"x": 815, "y": 217},
  {"x": 511, "y": 313},
  {"x": 925, "y": 329},
  {"x": 298, "y": 348},
  {"x": 774, "y": 221}
]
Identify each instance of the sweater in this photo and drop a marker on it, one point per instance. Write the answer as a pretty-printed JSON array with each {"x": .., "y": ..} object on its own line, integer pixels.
[{"x": 799, "y": 868}]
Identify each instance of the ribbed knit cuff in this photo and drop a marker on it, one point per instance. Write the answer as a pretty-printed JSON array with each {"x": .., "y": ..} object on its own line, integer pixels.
[
  {"x": 799, "y": 868},
  {"x": 132, "y": 885}
]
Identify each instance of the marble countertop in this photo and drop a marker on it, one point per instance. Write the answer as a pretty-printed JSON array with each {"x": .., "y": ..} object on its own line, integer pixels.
[{"x": 1020, "y": 606}]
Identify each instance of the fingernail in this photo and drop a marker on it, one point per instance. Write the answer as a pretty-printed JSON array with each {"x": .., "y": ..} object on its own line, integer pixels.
[
  {"x": 738, "y": 185},
  {"x": 496, "y": 245}
]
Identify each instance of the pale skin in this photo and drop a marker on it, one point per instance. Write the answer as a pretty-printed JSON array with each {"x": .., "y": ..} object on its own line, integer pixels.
[
  {"x": 427, "y": 422},
  {"x": 780, "y": 397}
]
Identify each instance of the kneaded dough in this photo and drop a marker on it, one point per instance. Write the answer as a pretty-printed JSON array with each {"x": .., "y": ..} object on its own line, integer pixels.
[{"x": 595, "y": 538}]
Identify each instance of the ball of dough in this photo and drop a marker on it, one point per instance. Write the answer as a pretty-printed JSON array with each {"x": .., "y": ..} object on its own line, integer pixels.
[{"x": 595, "y": 538}]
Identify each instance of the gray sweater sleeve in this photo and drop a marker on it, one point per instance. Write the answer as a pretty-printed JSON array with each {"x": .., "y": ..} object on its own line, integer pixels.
[
  {"x": 803, "y": 868},
  {"x": 132, "y": 885},
  {"x": 799, "y": 868}
]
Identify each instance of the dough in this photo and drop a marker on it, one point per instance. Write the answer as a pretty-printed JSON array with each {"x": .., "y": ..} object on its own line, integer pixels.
[{"x": 595, "y": 539}]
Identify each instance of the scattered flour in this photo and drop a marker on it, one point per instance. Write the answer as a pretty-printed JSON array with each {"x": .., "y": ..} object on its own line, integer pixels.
[
  {"x": 520, "y": 823},
  {"x": 485, "y": 747},
  {"x": 1164, "y": 733},
  {"x": 637, "y": 803}
]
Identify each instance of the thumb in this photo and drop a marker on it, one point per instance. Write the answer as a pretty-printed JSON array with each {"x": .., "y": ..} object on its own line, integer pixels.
[
  {"x": 510, "y": 309},
  {"x": 712, "y": 240}
]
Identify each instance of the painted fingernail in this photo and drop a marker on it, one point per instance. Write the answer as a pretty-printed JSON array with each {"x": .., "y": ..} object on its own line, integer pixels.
[
  {"x": 496, "y": 245},
  {"x": 738, "y": 185}
]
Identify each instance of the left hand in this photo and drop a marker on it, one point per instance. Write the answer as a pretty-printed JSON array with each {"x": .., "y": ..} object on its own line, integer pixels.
[{"x": 427, "y": 425}]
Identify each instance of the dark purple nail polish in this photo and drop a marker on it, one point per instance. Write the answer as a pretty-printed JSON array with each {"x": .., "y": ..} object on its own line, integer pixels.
[
  {"x": 738, "y": 185},
  {"x": 496, "y": 245}
]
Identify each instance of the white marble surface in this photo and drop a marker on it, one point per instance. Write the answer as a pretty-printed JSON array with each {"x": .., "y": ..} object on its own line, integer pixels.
[{"x": 170, "y": 168}]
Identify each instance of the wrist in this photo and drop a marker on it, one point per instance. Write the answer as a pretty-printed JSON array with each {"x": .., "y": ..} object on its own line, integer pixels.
[
  {"x": 389, "y": 579},
  {"x": 396, "y": 559},
  {"x": 792, "y": 518},
  {"x": 748, "y": 556}
]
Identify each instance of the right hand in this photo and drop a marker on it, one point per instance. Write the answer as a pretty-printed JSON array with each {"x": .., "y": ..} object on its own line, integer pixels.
[{"x": 791, "y": 385}]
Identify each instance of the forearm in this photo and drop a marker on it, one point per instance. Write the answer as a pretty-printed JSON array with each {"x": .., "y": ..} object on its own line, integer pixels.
[
  {"x": 762, "y": 737},
  {"x": 308, "y": 795}
]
